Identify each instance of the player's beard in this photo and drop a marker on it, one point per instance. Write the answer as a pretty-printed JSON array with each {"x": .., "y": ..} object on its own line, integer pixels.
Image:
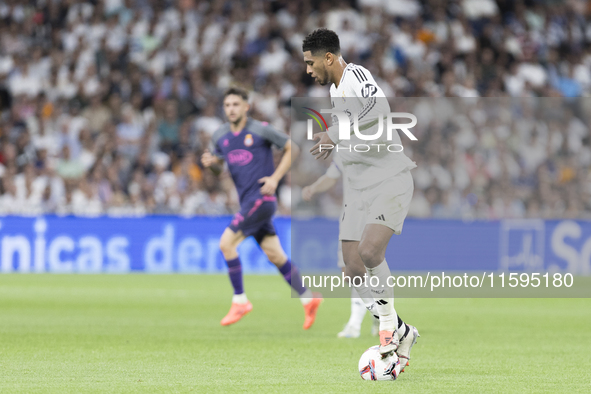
[
  {"x": 324, "y": 79},
  {"x": 235, "y": 122}
]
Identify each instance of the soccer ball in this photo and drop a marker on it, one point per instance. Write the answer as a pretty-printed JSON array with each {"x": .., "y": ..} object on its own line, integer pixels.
[{"x": 373, "y": 367}]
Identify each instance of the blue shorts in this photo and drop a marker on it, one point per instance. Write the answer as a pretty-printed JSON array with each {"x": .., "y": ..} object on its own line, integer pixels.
[{"x": 256, "y": 218}]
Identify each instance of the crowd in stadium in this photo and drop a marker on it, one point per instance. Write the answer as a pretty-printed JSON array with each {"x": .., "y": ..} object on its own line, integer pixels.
[{"x": 106, "y": 106}]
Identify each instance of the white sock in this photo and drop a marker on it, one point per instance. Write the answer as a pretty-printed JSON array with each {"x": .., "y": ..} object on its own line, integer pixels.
[
  {"x": 364, "y": 293},
  {"x": 384, "y": 297},
  {"x": 357, "y": 310},
  {"x": 306, "y": 297},
  {"x": 239, "y": 299}
]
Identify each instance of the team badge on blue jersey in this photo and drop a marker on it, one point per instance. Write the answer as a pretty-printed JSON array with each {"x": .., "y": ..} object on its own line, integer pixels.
[{"x": 248, "y": 140}]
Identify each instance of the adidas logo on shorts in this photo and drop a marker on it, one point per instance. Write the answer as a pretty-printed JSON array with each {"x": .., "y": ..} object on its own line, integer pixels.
[{"x": 381, "y": 217}]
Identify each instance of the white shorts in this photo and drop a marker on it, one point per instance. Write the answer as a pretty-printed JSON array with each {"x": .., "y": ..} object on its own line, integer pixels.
[{"x": 385, "y": 203}]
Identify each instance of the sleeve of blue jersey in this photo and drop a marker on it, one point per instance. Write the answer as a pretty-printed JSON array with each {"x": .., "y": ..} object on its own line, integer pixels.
[
  {"x": 215, "y": 149},
  {"x": 274, "y": 136}
]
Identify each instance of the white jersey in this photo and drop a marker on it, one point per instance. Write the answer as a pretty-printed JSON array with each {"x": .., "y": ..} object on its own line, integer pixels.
[{"x": 358, "y": 93}]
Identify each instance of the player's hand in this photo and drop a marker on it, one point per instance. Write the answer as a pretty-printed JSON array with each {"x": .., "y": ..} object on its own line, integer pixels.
[
  {"x": 323, "y": 147},
  {"x": 307, "y": 193},
  {"x": 269, "y": 185},
  {"x": 207, "y": 159}
]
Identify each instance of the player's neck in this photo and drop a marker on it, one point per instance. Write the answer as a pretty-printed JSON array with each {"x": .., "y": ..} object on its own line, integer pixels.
[
  {"x": 339, "y": 70},
  {"x": 238, "y": 126}
]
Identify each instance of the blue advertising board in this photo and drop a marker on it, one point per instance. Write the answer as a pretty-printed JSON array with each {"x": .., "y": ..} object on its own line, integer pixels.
[
  {"x": 166, "y": 244},
  {"x": 154, "y": 244}
]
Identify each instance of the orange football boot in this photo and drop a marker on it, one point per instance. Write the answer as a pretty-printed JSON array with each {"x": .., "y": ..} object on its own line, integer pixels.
[
  {"x": 311, "y": 308},
  {"x": 388, "y": 341},
  {"x": 237, "y": 311}
]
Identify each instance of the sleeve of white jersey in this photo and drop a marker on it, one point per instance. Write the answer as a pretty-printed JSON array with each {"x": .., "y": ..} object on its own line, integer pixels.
[
  {"x": 333, "y": 172},
  {"x": 361, "y": 86}
]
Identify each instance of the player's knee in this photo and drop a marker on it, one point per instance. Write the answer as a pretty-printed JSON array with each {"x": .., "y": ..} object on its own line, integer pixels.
[
  {"x": 276, "y": 257},
  {"x": 227, "y": 248},
  {"x": 369, "y": 254}
]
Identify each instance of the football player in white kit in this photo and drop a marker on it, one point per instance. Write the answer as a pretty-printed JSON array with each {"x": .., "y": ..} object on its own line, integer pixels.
[
  {"x": 380, "y": 183},
  {"x": 330, "y": 178}
]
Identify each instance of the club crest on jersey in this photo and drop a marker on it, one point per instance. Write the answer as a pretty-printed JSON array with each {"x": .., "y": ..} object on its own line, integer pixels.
[{"x": 248, "y": 140}]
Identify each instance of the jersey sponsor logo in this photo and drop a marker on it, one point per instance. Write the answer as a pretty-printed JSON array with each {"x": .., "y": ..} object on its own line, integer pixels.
[
  {"x": 248, "y": 140},
  {"x": 368, "y": 90},
  {"x": 239, "y": 157}
]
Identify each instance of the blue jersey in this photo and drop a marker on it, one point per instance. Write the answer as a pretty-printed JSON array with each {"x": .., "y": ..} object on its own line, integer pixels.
[{"x": 248, "y": 154}]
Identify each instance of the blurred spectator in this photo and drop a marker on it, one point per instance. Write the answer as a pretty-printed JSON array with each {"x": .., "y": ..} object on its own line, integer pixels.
[
  {"x": 129, "y": 132},
  {"x": 106, "y": 106},
  {"x": 67, "y": 167},
  {"x": 97, "y": 114},
  {"x": 169, "y": 125},
  {"x": 208, "y": 122}
]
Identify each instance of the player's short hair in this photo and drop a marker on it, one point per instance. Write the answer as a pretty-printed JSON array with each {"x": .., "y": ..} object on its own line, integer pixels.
[
  {"x": 236, "y": 91},
  {"x": 321, "y": 41}
]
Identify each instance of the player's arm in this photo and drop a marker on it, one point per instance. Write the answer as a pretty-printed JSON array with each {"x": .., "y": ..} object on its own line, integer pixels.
[
  {"x": 322, "y": 184},
  {"x": 270, "y": 182},
  {"x": 213, "y": 162},
  {"x": 213, "y": 158},
  {"x": 322, "y": 149}
]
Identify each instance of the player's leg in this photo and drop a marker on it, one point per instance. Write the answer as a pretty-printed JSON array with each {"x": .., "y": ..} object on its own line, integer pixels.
[
  {"x": 353, "y": 327},
  {"x": 389, "y": 203},
  {"x": 359, "y": 304},
  {"x": 271, "y": 246},
  {"x": 372, "y": 250},
  {"x": 355, "y": 269},
  {"x": 350, "y": 231},
  {"x": 229, "y": 242}
]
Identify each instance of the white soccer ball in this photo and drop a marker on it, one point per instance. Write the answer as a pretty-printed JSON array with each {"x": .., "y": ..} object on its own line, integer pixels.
[{"x": 373, "y": 367}]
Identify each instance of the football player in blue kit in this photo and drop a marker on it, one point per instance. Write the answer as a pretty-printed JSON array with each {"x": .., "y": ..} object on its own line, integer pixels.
[{"x": 246, "y": 146}]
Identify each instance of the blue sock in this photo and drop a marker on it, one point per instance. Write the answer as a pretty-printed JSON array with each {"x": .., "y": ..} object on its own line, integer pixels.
[
  {"x": 292, "y": 276},
  {"x": 235, "y": 273}
]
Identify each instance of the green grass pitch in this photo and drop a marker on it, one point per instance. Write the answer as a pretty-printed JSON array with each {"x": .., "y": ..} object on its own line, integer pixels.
[{"x": 161, "y": 334}]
